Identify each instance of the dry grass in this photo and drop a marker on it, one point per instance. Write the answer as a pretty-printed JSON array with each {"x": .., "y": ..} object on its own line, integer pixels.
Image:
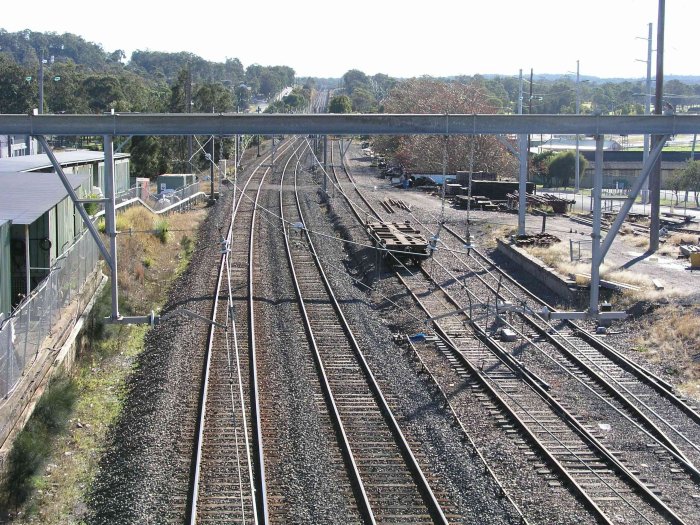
[
  {"x": 489, "y": 235},
  {"x": 671, "y": 335},
  {"x": 640, "y": 241},
  {"x": 145, "y": 260},
  {"x": 557, "y": 257},
  {"x": 672, "y": 242}
]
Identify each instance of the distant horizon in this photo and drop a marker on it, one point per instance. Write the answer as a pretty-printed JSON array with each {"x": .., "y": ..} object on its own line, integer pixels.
[
  {"x": 442, "y": 39},
  {"x": 526, "y": 73}
]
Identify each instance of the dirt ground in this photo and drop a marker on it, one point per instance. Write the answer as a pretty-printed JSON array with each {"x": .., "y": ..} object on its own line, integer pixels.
[
  {"x": 662, "y": 328},
  {"x": 627, "y": 251}
]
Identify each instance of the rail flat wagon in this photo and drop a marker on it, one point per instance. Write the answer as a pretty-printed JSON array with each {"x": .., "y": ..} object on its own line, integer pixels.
[{"x": 399, "y": 240}]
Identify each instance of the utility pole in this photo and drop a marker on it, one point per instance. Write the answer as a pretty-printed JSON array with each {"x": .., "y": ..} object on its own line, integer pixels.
[
  {"x": 41, "y": 93},
  {"x": 188, "y": 109},
  {"x": 577, "y": 177},
  {"x": 655, "y": 175},
  {"x": 529, "y": 112},
  {"x": 41, "y": 84},
  {"x": 647, "y": 110},
  {"x": 236, "y": 153},
  {"x": 211, "y": 170},
  {"x": 522, "y": 186}
]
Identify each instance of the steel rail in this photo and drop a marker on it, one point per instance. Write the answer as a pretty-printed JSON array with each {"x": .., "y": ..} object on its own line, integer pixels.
[
  {"x": 464, "y": 361},
  {"x": 225, "y": 124},
  {"x": 450, "y": 407},
  {"x": 448, "y": 404},
  {"x": 639, "y": 371},
  {"x": 624, "y": 397},
  {"x": 261, "y": 491},
  {"x": 537, "y": 385},
  {"x": 346, "y": 449},
  {"x": 200, "y": 425},
  {"x": 423, "y": 486},
  {"x": 259, "y": 507}
]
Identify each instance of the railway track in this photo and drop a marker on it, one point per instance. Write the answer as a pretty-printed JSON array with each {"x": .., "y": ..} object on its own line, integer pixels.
[
  {"x": 673, "y": 420},
  {"x": 660, "y": 428},
  {"x": 659, "y": 435},
  {"x": 511, "y": 476},
  {"x": 641, "y": 488},
  {"x": 228, "y": 481},
  {"x": 387, "y": 481}
]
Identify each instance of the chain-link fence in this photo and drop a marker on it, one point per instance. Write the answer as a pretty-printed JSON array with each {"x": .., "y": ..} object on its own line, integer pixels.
[
  {"x": 35, "y": 318},
  {"x": 22, "y": 333}
]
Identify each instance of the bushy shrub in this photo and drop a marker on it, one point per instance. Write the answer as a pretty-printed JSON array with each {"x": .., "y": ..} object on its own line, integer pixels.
[{"x": 162, "y": 232}]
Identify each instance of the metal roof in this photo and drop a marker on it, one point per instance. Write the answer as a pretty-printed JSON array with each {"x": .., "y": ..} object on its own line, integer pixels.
[
  {"x": 27, "y": 196},
  {"x": 65, "y": 158}
]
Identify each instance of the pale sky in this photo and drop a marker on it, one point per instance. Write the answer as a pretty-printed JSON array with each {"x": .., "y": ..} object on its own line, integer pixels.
[{"x": 400, "y": 38}]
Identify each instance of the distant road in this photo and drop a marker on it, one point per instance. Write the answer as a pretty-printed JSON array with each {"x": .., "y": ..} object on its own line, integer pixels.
[{"x": 253, "y": 108}]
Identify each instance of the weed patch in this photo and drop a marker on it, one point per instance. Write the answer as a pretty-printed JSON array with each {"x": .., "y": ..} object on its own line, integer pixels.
[{"x": 672, "y": 335}]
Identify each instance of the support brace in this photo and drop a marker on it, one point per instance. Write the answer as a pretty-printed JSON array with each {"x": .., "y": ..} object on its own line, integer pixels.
[
  {"x": 77, "y": 201},
  {"x": 634, "y": 192},
  {"x": 522, "y": 186},
  {"x": 110, "y": 257}
]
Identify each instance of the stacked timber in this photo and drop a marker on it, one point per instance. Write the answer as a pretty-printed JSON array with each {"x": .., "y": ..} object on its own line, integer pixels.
[
  {"x": 389, "y": 204},
  {"x": 539, "y": 239},
  {"x": 477, "y": 202}
]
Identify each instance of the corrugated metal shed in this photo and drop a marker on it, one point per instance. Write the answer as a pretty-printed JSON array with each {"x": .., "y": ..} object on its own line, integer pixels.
[
  {"x": 42, "y": 162},
  {"x": 175, "y": 181},
  {"x": 24, "y": 198}
]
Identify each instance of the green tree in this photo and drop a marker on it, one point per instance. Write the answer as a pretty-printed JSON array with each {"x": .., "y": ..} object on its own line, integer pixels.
[
  {"x": 104, "y": 92},
  {"x": 363, "y": 100},
  {"x": 354, "y": 79},
  {"x": 539, "y": 166},
  {"x": 17, "y": 94},
  {"x": 340, "y": 104},
  {"x": 63, "y": 89},
  {"x": 676, "y": 183},
  {"x": 146, "y": 153},
  {"x": 295, "y": 100},
  {"x": 243, "y": 96},
  {"x": 563, "y": 167},
  {"x": 210, "y": 98},
  {"x": 691, "y": 177}
]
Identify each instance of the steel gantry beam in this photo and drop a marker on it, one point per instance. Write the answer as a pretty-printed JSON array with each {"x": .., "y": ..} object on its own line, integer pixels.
[
  {"x": 375, "y": 124},
  {"x": 115, "y": 124}
]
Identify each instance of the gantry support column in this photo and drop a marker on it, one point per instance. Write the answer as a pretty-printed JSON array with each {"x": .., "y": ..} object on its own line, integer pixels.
[
  {"x": 596, "y": 260},
  {"x": 111, "y": 221},
  {"x": 522, "y": 186}
]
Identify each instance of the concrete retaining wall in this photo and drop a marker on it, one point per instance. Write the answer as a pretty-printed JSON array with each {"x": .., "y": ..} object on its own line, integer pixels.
[{"x": 566, "y": 289}]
